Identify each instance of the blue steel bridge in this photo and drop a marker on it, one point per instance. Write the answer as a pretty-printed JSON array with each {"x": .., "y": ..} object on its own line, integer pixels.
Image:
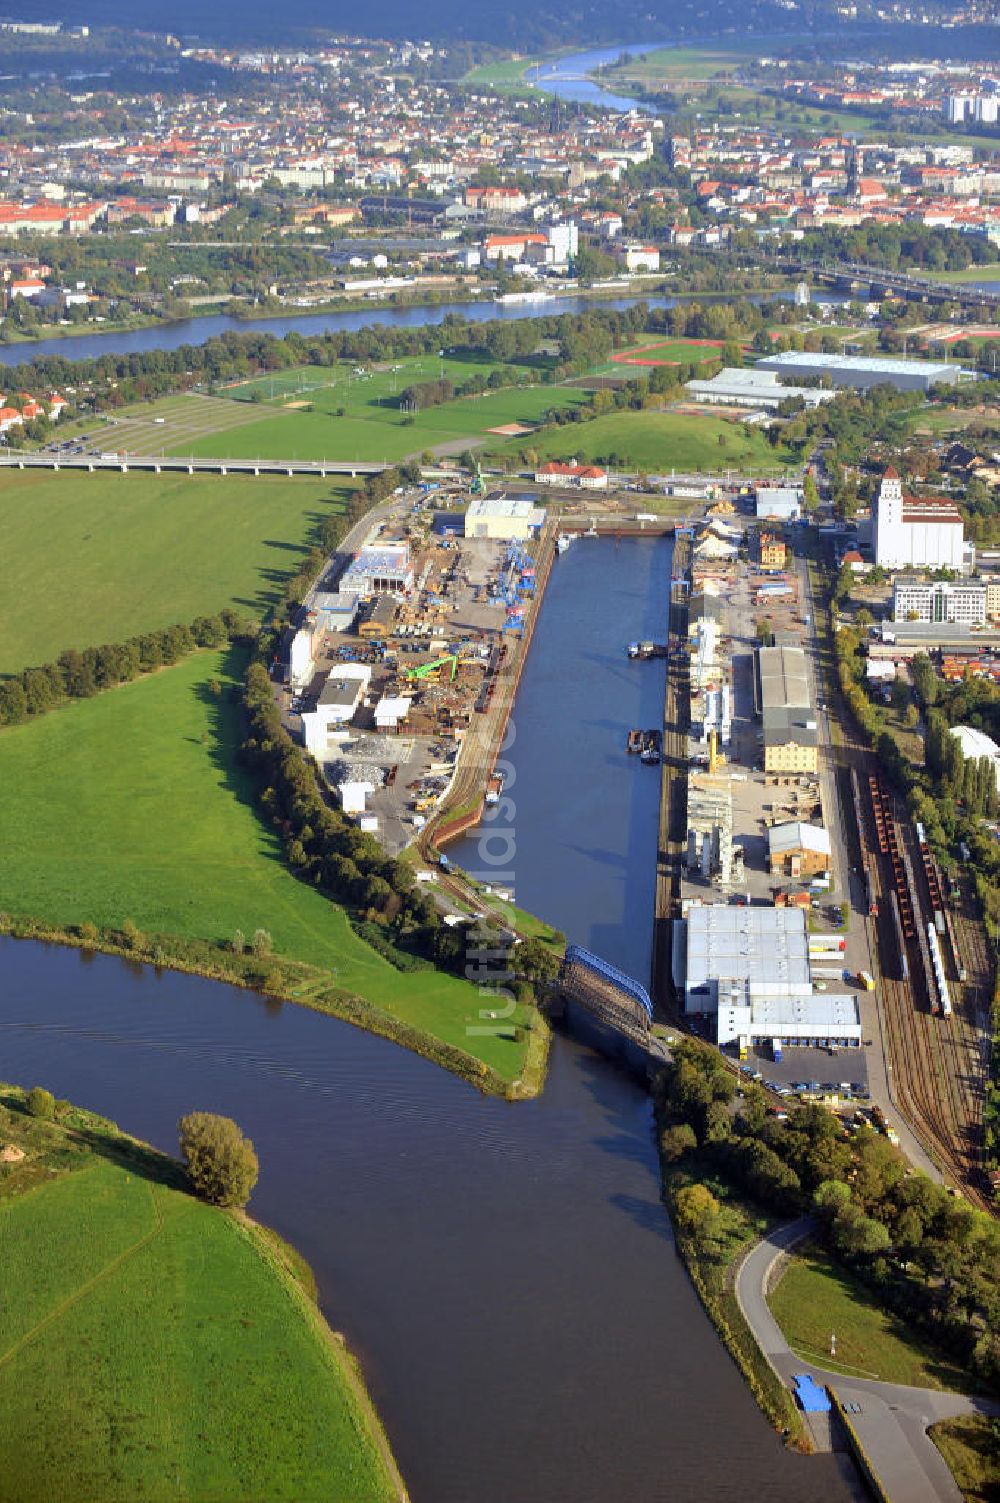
[{"x": 610, "y": 995}]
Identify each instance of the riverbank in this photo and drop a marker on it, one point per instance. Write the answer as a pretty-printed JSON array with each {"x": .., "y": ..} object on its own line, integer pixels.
[
  {"x": 294, "y": 982},
  {"x": 158, "y": 1343}
]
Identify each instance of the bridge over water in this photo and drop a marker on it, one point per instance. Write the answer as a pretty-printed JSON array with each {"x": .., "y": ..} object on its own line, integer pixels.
[
  {"x": 611, "y": 996},
  {"x": 880, "y": 280}
]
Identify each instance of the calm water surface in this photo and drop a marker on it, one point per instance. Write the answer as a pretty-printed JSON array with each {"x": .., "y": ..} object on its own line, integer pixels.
[{"x": 506, "y": 1273}]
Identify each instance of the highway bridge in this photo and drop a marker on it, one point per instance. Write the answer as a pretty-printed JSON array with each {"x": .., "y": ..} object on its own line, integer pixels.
[
  {"x": 880, "y": 281},
  {"x": 157, "y": 464}
]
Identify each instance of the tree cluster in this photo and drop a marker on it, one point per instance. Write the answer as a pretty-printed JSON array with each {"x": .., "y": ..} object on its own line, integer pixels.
[
  {"x": 82, "y": 674},
  {"x": 925, "y": 1254}
]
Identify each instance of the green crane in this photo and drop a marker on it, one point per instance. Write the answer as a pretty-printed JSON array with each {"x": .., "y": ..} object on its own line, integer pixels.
[{"x": 426, "y": 669}]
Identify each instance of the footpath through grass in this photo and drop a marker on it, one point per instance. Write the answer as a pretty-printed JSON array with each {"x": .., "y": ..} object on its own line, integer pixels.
[
  {"x": 816, "y": 1298},
  {"x": 89, "y": 559},
  {"x": 153, "y": 1347},
  {"x": 133, "y": 805}
]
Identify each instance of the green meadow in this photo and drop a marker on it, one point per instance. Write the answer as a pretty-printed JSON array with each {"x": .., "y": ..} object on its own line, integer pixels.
[
  {"x": 133, "y": 805},
  {"x": 96, "y": 558},
  {"x": 154, "y": 1347}
]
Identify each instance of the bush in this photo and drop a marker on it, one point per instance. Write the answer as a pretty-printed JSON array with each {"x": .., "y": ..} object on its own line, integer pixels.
[
  {"x": 41, "y": 1103},
  {"x": 221, "y": 1163}
]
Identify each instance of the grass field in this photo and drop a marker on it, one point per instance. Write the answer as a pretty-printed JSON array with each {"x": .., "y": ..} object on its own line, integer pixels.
[
  {"x": 95, "y": 558},
  {"x": 151, "y": 1347},
  {"x": 988, "y": 272},
  {"x": 815, "y": 1297},
  {"x": 658, "y": 441},
  {"x": 377, "y": 430},
  {"x": 505, "y": 77},
  {"x": 132, "y": 805},
  {"x": 971, "y": 1447}
]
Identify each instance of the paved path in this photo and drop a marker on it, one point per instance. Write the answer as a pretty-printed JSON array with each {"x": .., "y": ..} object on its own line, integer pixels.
[{"x": 892, "y": 1420}]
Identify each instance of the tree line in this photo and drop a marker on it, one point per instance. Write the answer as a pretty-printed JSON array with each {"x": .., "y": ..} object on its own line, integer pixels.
[
  {"x": 118, "y": 379},
  {"x": 80, "y": 674},
  {"x": 925, "y": 1255}
]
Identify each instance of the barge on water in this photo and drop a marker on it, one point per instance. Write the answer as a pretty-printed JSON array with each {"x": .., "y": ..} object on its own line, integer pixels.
[
  {"x": 642, "y": 651},
  {"x": 645, "y": 745}
]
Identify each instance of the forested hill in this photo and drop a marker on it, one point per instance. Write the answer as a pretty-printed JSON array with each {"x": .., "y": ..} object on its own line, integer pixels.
[{"x": 525, "y": 25}]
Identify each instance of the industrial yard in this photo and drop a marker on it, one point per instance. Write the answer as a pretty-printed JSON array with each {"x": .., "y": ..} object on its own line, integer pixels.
[{"x": 400, "y": 652}]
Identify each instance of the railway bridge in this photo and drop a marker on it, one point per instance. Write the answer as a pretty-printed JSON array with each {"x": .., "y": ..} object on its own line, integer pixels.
[
  {"x": 881, "y": 281},
  {"x": 611, "y": 996}
]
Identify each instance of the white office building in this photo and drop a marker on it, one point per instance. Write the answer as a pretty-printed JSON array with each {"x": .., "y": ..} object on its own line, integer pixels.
[
  {"x": 938, "y": 600},
  {"x": 911, "y": 532}
]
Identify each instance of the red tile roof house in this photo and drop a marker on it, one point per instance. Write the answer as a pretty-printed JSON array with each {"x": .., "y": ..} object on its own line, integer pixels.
[{"x": 586, "y": 477}]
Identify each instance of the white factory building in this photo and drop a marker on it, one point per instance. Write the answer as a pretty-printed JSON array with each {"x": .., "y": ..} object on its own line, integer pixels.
[
  {"x": 911, "y": 532},
  {"x": 504, "y": 518},
  {"x": 738, "y": 386},
  {"x": 749, "y": 967},
  {"x": 337, "y": 704},
  {"x": 781, "y": 501},
  {"x": 378, "y": 569}
]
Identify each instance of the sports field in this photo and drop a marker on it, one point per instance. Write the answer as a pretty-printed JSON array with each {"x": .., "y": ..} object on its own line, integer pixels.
[
  {"x": 166, "y": 426},
  {"x": 657, "y": 441},
  {"x": 374, "y": 428},
  {"x": 152, "y": 1347},
  {"x": 653, "y": 352},
  {"x": 96, "y": 558},
  {"x": 133, "y": 805}
]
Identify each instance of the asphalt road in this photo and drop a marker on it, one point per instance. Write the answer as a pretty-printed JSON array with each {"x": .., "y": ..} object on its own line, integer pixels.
[{"x": 890, "y": 1420}]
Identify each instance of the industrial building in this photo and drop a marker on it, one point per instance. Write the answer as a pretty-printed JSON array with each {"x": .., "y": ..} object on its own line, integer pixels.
[
  {"x": 940, "y": 600},
  {"x": 798, "y": 850},
  {"x": 783, "y": 502},
  {"x": 863, "y": 371},
  {"x": 710, "y": 850},
  {"x": 379, "y": 569},
  {"x": 766, "y": 1016},
  {"x": 727, "y": 943},
  {"x": 749, "y": 967},
  {"x": 336, "y": 707},
  {"x": 914, "y": 532},
  {"x": 768, "y": 550},
  {"x": 754, "y": 388},
  {"x": 789, "y": 724},
  {"x": 336, "y": 610},
  {"x": 503, "y": 518}
]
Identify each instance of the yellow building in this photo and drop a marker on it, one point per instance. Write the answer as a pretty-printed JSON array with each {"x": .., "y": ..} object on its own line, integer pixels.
[{"x": 771, "y": 551}]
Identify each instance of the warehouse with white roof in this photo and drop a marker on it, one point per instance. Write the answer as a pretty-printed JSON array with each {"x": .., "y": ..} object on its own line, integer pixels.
[
  {"x": 504, "y": 518},
  {"x": 748, "y": 966}
]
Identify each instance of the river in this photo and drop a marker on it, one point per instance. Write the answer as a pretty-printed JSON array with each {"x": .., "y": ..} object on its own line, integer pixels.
[
  {"x": 506, "y": 1273},
  {"x": 567, "y": 76},
  {"x": 200, "y": 330}
]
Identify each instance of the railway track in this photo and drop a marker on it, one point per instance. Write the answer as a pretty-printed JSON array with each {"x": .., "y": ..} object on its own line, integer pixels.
[{"x": 932, "y": 1083}]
